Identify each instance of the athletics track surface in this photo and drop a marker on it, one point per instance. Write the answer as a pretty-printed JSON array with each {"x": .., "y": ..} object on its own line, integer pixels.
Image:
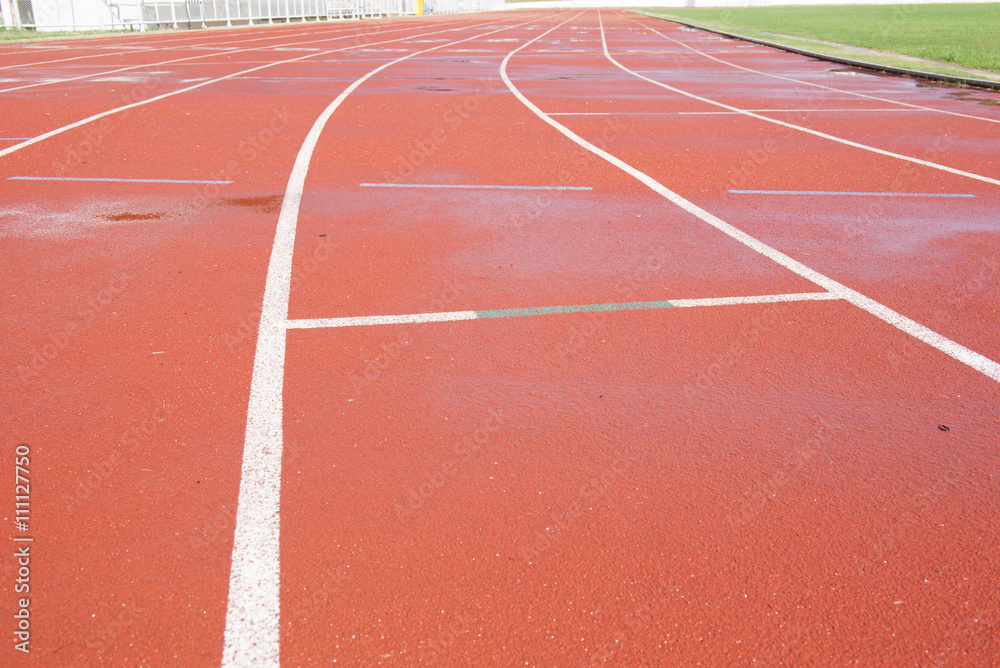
[{"x": 534, "y": 338}]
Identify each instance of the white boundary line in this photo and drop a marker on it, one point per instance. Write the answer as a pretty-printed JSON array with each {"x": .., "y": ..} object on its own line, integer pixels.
[
  {"x": 63, "y": 60},
  {"x": 720, "y": 113},
  {"x": 144, "y": 48},
  {"x": 204, "y": 55},
  {"x": 364, "y": 321},
  {"x": 816, "y": 85},
  {"x": 763, "y": 299},
  {"x": 109, "y": 112},
  {"x": 253, "y": 622},
  {"x": 450, "y": 316},
  {"x": 961, "y": 353},
  {"x": 800, "y": 128}
]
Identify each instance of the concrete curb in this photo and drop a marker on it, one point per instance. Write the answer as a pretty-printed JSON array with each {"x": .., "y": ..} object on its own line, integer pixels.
[{"x": 920, "y": 74}]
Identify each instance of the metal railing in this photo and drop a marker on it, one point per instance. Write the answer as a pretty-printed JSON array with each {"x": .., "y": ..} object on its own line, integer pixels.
[
  {"x": 80, "y": 15},
  {"x": 459, "y": 6}
]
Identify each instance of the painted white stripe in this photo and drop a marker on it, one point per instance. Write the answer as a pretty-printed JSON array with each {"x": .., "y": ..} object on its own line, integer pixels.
[
  {"x": 132, "y": 49},
  {"x": 846, "y": 193},
  {"x": 446, "y": 186},
  {"x": 915, "y": 329},
  {"x": 800, "y": 128},
  {"x": 364, "y": 321},
  {"x": 252, "y": 636},
  {"x": 816, "y": 85},
  {"x": 720, "y": 113},
  {"x": 230, "y": 50},
  {"x": 763, "y": 299},
  {"x": 449, "y": 316},
  {"x": 109, "y": 180},
  {"x": 116, "y": 110},
  {"x": 61, "y": 60}
]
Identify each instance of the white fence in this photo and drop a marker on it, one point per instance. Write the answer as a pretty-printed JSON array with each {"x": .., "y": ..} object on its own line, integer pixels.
[
  {"x": 457, "y": 6},
  {"x": 47, "y": 15}
]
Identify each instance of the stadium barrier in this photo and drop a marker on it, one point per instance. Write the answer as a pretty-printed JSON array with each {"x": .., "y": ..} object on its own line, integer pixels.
[{"x": 83, "y": 15}]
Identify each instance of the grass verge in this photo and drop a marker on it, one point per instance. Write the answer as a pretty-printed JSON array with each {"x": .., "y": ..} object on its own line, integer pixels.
[
  {"x": 961, "y": 34},
  {"x": 12, "y": 35}
]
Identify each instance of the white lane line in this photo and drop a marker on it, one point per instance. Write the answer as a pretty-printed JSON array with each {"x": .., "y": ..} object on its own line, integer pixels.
[
  {"x": 845, "y": 193},
  {"x": 816, "y": 85},
  {"x": 470, "y": 187},
  {"x": 146, "y": 47},
  {"x": 62, "y": 60},
  {"x": 252, "y": 635},
  {"x": 365, "y": 321},
  {"x": 449, "y": 316},
  {"x": 231, "y": 50},
  {"x": 116, "y": 110},
  {"x": 961, "y": 353},
  {"x": 800, "y": 128},
  {"x": 110, "y": 180},
  {"x": 763, "y": 299},
  {"x": 718, "y": 113}
]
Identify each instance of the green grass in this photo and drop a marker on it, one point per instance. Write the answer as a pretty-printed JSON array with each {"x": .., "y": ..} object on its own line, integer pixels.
[
  {"x": 967, "y": 35},
  {"x": 10, "y": 34}
]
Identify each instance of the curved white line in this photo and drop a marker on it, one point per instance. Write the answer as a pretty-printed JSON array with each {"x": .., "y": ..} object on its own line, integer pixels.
[
  {"x": 252, "y": 636},
  {"x": 116, "y": 110},
  {"x": 971, "y": 358},
  {"x": 800, "y": 128},
  {"x": 816, "y": 85},
  {"x": 204, "y": 55}
]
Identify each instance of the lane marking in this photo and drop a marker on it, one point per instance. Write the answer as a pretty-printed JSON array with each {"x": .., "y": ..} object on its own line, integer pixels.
[
  {"x": 834, "y": 192},
  {"x": 229, "y": 50},
  {"x": 583, "y": 308},
  {"x": 714, "y": 113},
  {"x": 471, "y": 187},
  {"x": 116, "y": 110},
  {"x": 149, "y": 47},
  {"x": 365, "y": 321},
  {"x": 815, "y": 85},
  {"x": 253, "y": 613},
  {"x": 14, "y": 138},
  {"x": 763, "y": 299},
  {"x": 61, "y": 60},
  {"x": 800, "y": 128},
  {"x": 969, "y": 357},
  {"x": 448, "y": 316},
  {"x": 108, "y": 180}
]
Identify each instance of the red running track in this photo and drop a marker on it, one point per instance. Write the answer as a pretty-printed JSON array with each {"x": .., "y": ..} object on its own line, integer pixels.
[{"x": 764, "y": 480}]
